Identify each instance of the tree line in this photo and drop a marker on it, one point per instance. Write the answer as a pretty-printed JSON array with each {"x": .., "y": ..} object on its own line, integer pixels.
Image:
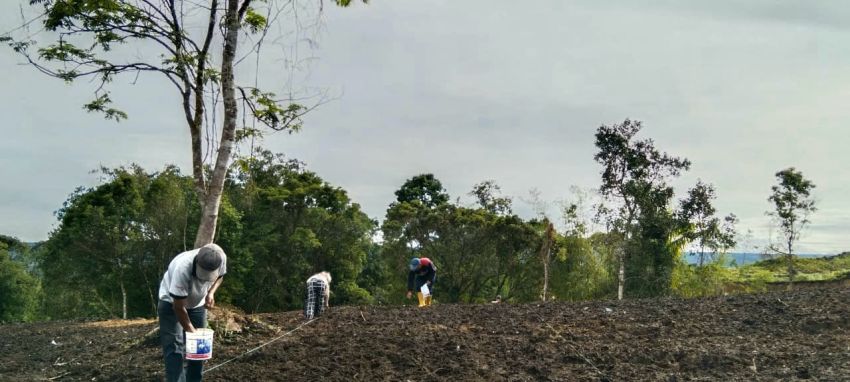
[{"x": 280, "y": 222}]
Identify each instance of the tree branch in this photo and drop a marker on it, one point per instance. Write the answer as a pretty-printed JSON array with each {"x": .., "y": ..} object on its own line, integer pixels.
[{"x": 244, "y": 9}]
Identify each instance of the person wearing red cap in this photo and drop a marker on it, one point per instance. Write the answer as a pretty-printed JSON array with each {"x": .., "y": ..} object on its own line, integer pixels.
[{"x": 423, "y": 272}]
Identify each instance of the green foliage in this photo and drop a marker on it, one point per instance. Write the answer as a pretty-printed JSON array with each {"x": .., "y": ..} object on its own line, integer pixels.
[
  {"x": 229, "y": 234},
  {"x": 458, "y": 243},
  {"x": 700, "y": 281},
  {"x": 278, "y": 224},
  {"x": 96, "y": 15},
  {"x": 479, "y": 252},
  {"x": 806, "y": 269},
  {"x": 64, "y": 52},
  {"x": 606, "y": 246},
  {"x": 635, "y": 179},
  {"x": 85, "y": 31},
  {"x": 293, "y": 224},
  {"x": 580, "y": 272},
  {"x": 793, "y": 203},
  {"x": 20, "y": 291},
  {"x": 254, "y": 21},
  {"x": 247, "y": 133},
  {"x": 702, "y": 227},
  {"x": 487, "y": 195},
  {"x": 518, "y": 267},
  {"x": 424, "y": 189},
  {"x": 378, "y": 277},
  {"x": 632, "y": 166},
  {"x": 100, "y": 103},
  {"x": 99, "y": 24},
  {"x": 96, "y": 235},
  {"x": 269, "y": 111},
  {"x": 348, "y": 292},
  {"x": 115, "y": 237},
  {"x": 346, "y": 3},
  {"x": 88, "y": 30},
  {"x": 649, "y": 270},
  {"x": 485, "y": 251}
]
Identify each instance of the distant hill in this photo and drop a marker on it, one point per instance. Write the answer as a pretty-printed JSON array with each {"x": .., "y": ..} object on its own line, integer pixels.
[
  {"x": 808, "y": 268},
  {"x": 737, "y": 259}
]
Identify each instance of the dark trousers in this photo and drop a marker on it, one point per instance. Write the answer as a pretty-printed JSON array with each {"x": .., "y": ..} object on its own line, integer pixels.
[
  {"x": 314, "y": 301},
  {"x": 420, "y": 281},
  {"x": 171, "y": 339}
]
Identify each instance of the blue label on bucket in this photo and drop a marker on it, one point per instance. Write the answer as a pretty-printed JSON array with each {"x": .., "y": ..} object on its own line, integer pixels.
[
  {"x": 199, "y": 344},
  {"x": 199, "y": 348},
  {"x": 204, "y": 346}
]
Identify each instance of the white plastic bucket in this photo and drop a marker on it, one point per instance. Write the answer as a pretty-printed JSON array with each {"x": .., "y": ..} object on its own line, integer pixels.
[
  {"x": 425, "y": 291},
  {"x": 199, "y": 344}
]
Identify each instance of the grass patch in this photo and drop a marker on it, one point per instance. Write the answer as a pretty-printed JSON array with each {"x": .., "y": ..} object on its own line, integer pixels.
[{"x": 808, "y": 269}]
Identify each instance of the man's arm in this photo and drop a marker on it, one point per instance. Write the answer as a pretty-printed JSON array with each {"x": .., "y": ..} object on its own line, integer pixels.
[
  {"x": 327, "y": 295},
  {"x": 182, "y": 315},
  {"x": 410, "y": 276},
  {"x": 209, "y": 301}
]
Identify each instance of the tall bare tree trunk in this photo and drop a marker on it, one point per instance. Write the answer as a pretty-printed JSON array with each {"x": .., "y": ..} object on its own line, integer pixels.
[
  {"x": 546, "y": 254},
  {"x": 545, "y": 274},
  {"x": 621, "y": 252},
  {"x": 120, "y": 270},
  {"x": 212, "y": 197},
  {"x": 789, "y": 258},
  {"x": 123, "y": 301},
  {"x": 153, "y": 300},
  {"x": 621, "y": 275}
]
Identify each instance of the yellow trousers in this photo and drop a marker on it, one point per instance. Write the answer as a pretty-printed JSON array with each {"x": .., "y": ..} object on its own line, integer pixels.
[{"x": 423, "y": 300}]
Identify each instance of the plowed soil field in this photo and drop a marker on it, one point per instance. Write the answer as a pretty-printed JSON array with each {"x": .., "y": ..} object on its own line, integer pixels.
[{"x": 799, "y": 335}]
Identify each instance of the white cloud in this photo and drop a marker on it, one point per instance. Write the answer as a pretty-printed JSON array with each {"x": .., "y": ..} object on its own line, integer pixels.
[{"x": 511, "y": 91}]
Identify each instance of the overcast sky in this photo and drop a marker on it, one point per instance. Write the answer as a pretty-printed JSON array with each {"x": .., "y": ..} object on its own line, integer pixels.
[{"x": 503, "y": 90}]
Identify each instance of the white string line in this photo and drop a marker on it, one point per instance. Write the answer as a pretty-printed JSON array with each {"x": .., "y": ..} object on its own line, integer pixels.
[{"x": 258, "y": 347}]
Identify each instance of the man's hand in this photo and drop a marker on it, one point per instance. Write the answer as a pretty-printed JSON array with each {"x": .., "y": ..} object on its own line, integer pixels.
[
  {"x": 209, "y": 302},
  {"x": 182, "y": 315},
  {"x": 409, "y": 295}
]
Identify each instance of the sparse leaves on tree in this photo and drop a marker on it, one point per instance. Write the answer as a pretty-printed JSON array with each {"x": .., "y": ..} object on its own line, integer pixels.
[{"x": 793, "y": 204}]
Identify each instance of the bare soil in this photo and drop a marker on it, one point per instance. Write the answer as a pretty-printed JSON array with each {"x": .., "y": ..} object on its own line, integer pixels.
[{"x": 798, "y": 335}]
